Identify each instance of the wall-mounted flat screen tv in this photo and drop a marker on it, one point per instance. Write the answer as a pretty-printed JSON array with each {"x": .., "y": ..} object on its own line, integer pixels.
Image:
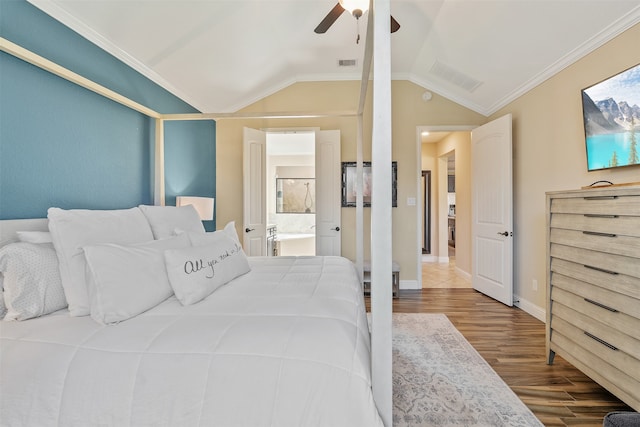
[{"x": 611, "y": 111}]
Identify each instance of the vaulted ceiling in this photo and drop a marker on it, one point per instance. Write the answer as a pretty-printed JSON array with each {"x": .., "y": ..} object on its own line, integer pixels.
[{"x": 222, "y": 55}]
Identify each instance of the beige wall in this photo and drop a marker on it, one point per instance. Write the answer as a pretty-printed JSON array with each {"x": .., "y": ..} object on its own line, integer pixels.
[
  {"x": 408, "y": 110},
  {"x": 549, "y": 152}
]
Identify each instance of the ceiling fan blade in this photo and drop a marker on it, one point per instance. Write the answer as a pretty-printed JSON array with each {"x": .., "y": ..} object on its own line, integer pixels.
[
  {"x": 394, "y": 25},
  {"x": 329, "y": 19}
]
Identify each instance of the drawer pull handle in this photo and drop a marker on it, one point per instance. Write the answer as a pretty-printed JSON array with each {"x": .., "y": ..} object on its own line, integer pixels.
[
  {"x": 601, "y": 198},
  {"x": 590, "y": 301},
  {"x": 601, "y": 270},
  {"x": 595, "y": 233},
  {"x": 601, "y": 341},
  {"x": 600, "y": 216}
]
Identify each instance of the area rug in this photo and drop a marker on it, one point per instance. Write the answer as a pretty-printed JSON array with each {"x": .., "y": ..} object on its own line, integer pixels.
[{"x": 439, "y": 379}]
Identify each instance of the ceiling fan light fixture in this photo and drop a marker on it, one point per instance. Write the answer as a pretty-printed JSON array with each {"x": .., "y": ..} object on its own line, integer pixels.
[{"x": 355, "y": 7}]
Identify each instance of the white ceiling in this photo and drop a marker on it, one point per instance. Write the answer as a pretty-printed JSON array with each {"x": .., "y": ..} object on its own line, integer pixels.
[{"x": 222, "y": 55}]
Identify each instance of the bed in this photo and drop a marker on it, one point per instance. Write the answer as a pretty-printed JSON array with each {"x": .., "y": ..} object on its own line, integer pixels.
[{"x": 285, "y": 343}]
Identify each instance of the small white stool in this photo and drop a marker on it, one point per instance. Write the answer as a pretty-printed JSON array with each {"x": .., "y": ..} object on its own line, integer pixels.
[{"x": 395, "y": 278}]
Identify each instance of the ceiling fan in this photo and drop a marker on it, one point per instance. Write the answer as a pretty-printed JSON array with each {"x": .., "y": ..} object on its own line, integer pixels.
[{"x": 357, "y": 8}]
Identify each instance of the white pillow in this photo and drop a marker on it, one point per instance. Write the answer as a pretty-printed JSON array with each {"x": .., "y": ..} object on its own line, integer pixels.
[
  {"x": 164, "y": 220},
  {"x": 31, "y": 280},
  {"x": 230, "y": 230},
  {"x": 196, "y": 272},
  {"x": 73, "y": 229},
  {"x": 34, "y": 236},
  {"x": 125, "y": 281},
  {"x": 200, "y": 239}
]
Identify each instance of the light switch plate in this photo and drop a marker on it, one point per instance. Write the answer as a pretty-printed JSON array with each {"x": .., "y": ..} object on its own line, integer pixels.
[{"x": 411, "y": 201}]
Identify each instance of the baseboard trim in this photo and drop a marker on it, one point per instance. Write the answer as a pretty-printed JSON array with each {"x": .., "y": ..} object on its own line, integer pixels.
[
  {"x": 529, "y": 307},
  {"x": 409, "y": 284},
  {"x": 463, "y": 273}
]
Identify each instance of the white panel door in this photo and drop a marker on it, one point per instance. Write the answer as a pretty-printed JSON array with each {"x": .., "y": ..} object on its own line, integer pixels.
[
  {"x": 254, "y": 214},
  {"x": 328, "y": 193},
  {"x": 492, "y": 211}
]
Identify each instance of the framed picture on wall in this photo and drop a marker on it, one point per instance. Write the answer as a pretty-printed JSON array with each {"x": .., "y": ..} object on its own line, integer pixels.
[{"x": 349, "y": 184}]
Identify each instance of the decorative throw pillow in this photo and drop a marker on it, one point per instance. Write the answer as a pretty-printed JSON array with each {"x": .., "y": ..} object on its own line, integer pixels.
[
  {"x": 31, "y": 280},
  {"x": 196, "y": 272},
  {"x": 164, "y": 220},
  {"x": 34, "y": 236},
  {"x": 73, "y": 229},
  {"x": 200, "y": 239},
  {"x": 124, "y": 281},
  {"x": 230, "y": 230}
]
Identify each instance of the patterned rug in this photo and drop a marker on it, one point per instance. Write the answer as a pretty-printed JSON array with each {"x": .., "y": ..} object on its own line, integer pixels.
[{"x": 439, "y": 379}]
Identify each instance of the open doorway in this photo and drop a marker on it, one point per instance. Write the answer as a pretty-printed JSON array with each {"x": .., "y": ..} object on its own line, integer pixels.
[
  {"x": 256, "y": 181},
  {"x": 291, "y": 193},
  {"x": 446, "y": 151}
]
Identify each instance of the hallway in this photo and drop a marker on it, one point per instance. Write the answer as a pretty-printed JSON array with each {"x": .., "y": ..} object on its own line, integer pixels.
[{"x": 443, "y": 275}]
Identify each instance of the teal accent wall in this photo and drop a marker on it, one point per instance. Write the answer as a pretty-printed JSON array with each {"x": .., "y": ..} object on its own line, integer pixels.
[{"x": 65, "y": 146}]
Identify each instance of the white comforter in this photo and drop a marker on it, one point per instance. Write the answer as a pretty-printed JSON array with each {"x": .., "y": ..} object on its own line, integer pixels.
[{"x": 284, "y": 345}]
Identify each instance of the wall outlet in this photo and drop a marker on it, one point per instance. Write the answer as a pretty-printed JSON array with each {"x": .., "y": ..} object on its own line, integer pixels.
[
  {"x": 411, "y": 201},
  {"x": 534, "y": 285}
]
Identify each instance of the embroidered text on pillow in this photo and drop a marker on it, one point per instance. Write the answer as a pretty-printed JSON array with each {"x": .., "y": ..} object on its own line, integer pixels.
[{"x": 198, "y": 265}]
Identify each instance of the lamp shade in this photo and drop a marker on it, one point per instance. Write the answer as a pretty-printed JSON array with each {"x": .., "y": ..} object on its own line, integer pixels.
[{"x": 203, "y": 205}]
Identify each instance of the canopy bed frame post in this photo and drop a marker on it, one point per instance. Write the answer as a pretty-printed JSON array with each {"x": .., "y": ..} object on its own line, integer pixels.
[
  {"x": 381, "y": 242},
  {"x": 158, "y": 176},
  {"x": 364, "y": 86},
  {"x": 359, "y": 203}
]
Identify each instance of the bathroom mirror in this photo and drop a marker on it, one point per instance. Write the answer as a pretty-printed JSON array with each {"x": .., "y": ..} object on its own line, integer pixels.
[{"x": 295, "y": 195}]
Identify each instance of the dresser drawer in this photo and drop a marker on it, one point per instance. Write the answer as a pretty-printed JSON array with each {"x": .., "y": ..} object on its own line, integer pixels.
[
  {"x": 612, "y": 264},
  {"x": 601, "y": 297},
  {"x": 618, "y": 225},
  {"x": 597, "y": 361},
  {"x": 623, "y": 327},
  {"x": 597, "y": 205},
  {"x": 597, "y": 241},
  {"x": 620, "y": 283}
]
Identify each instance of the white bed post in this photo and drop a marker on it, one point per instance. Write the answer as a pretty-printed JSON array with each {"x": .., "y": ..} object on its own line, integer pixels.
[
  {"x": 364, "y": 86},
  {"x": 381, "y": 242},
  {"x": 359, "y": 203},
  {"x": 158, "y": 175}
]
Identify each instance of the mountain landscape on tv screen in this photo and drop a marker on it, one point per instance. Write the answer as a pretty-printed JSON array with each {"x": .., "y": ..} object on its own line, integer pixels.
[{"x": 609, "y": 116}]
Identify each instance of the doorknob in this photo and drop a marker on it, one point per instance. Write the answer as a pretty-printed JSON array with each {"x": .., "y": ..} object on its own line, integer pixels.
[
  {"x": 504, "y": 233},
  {"x": 336, "y": 229},
  {"x": 246, "y": 230}
]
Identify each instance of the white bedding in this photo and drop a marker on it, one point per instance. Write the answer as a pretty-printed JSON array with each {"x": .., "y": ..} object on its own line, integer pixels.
[{"x": 284, "y": 345}]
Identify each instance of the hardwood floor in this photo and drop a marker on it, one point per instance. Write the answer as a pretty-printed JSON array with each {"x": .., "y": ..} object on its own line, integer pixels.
[{"x": 513, "y": 343}]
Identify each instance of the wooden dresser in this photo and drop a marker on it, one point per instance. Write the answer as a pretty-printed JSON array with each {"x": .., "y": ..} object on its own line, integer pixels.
[{"x": 593, "y": 285}]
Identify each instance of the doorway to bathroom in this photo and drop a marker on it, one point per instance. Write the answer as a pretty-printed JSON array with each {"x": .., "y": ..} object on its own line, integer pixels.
[
  {"x": 260, "y": 187},
  {"x": 291, "y": 193}
]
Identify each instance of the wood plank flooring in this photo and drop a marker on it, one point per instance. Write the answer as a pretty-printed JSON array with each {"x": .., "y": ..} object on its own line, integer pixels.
[{"x": 513, "y": 343}]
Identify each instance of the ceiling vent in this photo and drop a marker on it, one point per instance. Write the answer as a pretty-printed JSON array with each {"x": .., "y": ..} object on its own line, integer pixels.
[
  {"x": 347, "y": 62},
  {"x": 454, "y": 76}
]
